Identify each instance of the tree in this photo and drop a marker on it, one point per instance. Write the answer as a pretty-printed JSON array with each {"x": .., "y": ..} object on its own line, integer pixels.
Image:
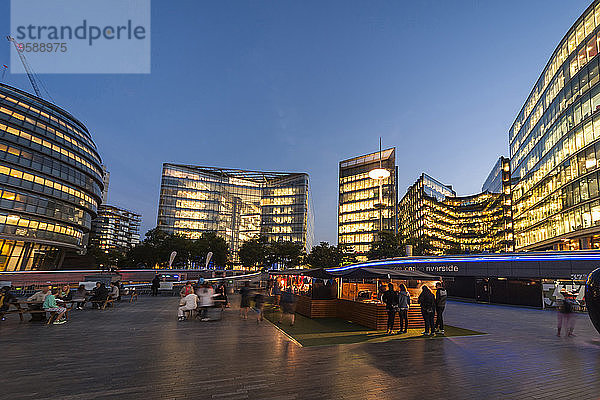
[
  {"x": 288, "y": 253},
  {"x": 253, "y": 252},
  {"x": 387, "y": 245},
  {"x": 324, "y": 256},
  {"x": 158, "y": 245}
]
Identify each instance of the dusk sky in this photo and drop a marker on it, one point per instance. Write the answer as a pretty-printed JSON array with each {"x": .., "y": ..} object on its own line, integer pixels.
[{"x": 298, "y": 86}]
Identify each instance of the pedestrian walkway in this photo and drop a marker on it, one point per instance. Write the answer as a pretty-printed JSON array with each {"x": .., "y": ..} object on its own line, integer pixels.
[{"x": 141, "y": 351}]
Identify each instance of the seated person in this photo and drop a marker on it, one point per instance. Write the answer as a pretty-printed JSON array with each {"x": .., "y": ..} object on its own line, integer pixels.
[
  {"x": 206, "y": 296},
  {"x": 187, "y": 289},
  {"x": 51, "y": 306},
  {"x": 38, "y": 298},
  {"x": 65, "y": 293},
  {"x": 6, "y": 297},
  {"x": 99, "y": 295},
  {"x": 187, "y": 303},
  {"x": 80, "y": 296},
  {"x": 114, "y": 290}
]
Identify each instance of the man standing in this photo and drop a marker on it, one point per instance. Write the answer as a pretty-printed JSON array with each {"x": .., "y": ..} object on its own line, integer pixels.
[
  {"x": 155, "y": 285},
  {"x": 440, "y": 304},
  {"x": 390, "y": 298}
]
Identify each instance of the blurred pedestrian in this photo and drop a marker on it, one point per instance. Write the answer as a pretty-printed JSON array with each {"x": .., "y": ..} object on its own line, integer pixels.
[
  {"x": 259, "y": 305},
  {"x": 245, "y": 300},
  {"x": 566, "y": 314},
  {"x": 440, "y": 305},
  {"x": 206, "y": 296},
  {"x": 288, "y": 306},
  {"x": 390, "y": 298},
  {"x": 403, "y": 306},
  {"x": 427, "y": 301}
]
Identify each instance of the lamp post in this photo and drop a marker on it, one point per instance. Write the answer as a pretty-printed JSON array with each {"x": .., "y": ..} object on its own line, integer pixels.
[{"x": 379, "y": 174}]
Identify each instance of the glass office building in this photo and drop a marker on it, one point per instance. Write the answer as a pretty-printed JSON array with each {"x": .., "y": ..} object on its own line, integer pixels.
[
  {"x": 115, "y": 229},
  {"x": 238, "y": 205},
  {"x": 555, "y": 147},
  {"x": 432, "y": 212},
  {"x": 50, "y": 182},
  {"x": 360, "y": 216}
]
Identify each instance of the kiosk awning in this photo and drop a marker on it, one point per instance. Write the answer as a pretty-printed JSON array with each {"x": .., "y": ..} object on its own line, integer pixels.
[{"x": 384, "y": 273}]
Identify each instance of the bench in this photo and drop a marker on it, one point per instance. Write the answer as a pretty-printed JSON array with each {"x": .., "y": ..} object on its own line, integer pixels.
[
  {"x": 20, "y": 310},
  {"x": 103, "y": 303}
]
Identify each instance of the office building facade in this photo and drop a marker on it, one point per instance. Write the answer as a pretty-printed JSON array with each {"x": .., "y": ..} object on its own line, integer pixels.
[
  {"x": 555, "y": 147},
  {"x": 236, "y": 204},
  {"x": 115, "y": 229},
  {"x": 360, "y": 213},
  {"x": 50, "y": 182},
  {"x": 431, "y": 212}
]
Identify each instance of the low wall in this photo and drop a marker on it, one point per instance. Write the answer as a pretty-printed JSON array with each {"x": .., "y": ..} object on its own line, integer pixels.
[{"x": 370, "y": 315}]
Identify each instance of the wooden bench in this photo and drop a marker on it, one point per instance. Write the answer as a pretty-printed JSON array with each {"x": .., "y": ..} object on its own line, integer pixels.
[
  {"x": 20, "y": 310},
  {"x": 103, "y": 303}
]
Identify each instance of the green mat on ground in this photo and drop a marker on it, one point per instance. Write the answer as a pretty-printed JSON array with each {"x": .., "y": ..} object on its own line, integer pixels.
[{"x": 331, "y": 331}]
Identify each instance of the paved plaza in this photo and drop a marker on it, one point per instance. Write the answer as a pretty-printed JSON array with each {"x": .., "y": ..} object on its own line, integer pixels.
[{"x": 140, "y": 351}]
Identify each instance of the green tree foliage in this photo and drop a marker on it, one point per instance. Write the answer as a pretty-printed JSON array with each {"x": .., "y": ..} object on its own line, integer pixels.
[
  {"x": 259, "y": 253},
  {"x": 324, "y": 255},
  {"x": 158, "y": 245},
  {"x": 421, "y": 246},
  {"x": 387, "y": 245}
]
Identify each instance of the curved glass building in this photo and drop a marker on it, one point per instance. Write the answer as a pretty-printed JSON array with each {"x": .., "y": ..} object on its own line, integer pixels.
[
  {"x": 555, "y": 147},
  {"x": 50, "y": 182}
]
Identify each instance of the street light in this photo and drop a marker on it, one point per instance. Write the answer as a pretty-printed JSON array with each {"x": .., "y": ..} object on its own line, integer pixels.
[{"x": 379, "y": 174}]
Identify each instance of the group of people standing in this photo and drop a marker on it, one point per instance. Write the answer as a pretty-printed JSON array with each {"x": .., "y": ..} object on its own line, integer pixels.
[{"x": 431, "y": 305}]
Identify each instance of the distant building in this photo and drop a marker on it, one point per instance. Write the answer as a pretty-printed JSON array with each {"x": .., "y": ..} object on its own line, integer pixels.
[
  {"x": 360, "y": 216},
  {"x": 106, "y": 180},
  {"x": 50, "y": 182},
  {"x": 115, "y": 229},
  {"x": 431, "y": 211},
  {"x": 236, "y": 204}
]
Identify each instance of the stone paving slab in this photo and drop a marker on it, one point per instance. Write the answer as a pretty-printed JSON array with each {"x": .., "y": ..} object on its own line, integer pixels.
[{"x": 140, "y": 351}]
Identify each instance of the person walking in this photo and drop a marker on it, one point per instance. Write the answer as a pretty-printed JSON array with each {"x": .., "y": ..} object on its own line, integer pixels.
[
  {"x": 155, "y": 285},
  {"x": 245, "y": 300},
  {"x": 440, "y": 304},
  {"x": 427, "y": 301},
  {"x": 403, "y": 306},
  {"x": 565, "y": 315},
  {"x": 390, "y": 298},
  {"x": 259, "y": 305},
  {"x": 288, "y": 306}
]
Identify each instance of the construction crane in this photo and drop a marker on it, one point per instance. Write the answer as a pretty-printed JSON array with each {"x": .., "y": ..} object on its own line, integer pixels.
[{"x": 30, "y": 73}]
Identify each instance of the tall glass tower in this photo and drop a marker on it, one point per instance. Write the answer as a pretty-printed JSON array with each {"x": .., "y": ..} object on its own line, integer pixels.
[{"x": 555, "y": 147}]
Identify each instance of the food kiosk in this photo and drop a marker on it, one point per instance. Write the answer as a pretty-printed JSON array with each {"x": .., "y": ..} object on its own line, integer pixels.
[{"x": 354, "y": 294}]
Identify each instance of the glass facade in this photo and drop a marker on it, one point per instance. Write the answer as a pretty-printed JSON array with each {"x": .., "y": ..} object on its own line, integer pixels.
[
  {"x": 238, "y": 205},
  {"x": 555, "y": 148},
  {"x": 360, "y": 216},
  {"x": 115, "y": 229},
  {"x": 50, "y": 182},
  {"x": 471, "y": 224}
]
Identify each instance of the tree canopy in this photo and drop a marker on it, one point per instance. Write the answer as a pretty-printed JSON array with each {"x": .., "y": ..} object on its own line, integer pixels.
[{"x": 158, "y": 245}]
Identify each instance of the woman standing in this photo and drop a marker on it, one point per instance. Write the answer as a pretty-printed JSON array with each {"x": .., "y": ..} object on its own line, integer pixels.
[
  {"x": 403, "y": 306},
  {"x": 427, "y": 302}
]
